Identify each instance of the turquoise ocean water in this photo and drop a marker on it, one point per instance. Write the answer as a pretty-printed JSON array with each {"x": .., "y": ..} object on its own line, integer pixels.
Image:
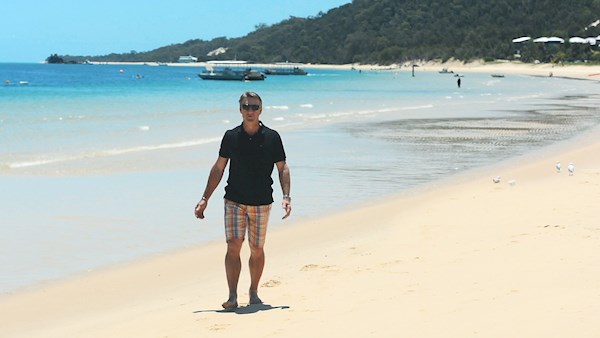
[{"x": 101, "y": 164}]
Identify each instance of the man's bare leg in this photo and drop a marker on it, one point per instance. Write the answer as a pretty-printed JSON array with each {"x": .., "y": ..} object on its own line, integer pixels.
[
  {"x": 256, "y": 265},
  {"x": 233, "y": 266}
]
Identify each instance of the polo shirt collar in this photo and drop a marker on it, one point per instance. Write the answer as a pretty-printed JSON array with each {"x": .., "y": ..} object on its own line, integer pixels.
[{"x": 259, "y": 131}]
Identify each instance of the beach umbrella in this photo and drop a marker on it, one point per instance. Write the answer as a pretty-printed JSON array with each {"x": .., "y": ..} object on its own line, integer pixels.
[
  {"x": 541, "y": 39},
  {"x": 521, "y": 39},
  {"x": 577, "y": 39},
  {"x": 555, "y": 39}
]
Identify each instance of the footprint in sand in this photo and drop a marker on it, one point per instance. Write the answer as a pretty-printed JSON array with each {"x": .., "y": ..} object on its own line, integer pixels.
[
  {"x": 309, "y": 267},
  {"x": 312, "y": 267},
  {"x": 219, "y": 327},
  {"x": 355, "y": 251},
  {"x": 391, "y": 263},
  {"x": 271, "y": 283}
]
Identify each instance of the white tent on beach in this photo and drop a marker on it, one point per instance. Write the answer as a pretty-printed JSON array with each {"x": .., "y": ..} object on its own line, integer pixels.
[
  {"x": 521, "y": 39},
  {"x": 554, "y": 39},
  {"x": 577, "y": 39}
]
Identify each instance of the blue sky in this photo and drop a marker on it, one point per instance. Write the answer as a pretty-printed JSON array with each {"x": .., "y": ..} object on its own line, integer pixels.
[{"x": 32, "y": 30}]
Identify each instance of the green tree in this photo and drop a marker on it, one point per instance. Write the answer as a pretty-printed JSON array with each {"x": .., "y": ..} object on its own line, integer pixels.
[
  {"x": 375, "y": 31},
  {"x": 54, "y": 58}
]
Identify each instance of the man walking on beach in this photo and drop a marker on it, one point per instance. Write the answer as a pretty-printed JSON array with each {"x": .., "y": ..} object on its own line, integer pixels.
[{"x": 253, "y": 149}]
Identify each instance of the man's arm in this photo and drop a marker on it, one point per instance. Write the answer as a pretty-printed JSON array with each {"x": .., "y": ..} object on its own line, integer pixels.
[
  {"x": 284, "y": 180},
  {"x": 214, "y": 178}
]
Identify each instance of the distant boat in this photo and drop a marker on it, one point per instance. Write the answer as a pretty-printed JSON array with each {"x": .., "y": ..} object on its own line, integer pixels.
[
  {"x": 285, "y": 68},
  {"x": 23, "y": 83},
  {"x": 497, "y": 75},
  {"x": 253, "y": 75},
  {"x": 231, "y": 71},
  {"x": 228, "y": 73},
  {"x": 446, "y": 71},
  {"x": 233, "y": 75}
]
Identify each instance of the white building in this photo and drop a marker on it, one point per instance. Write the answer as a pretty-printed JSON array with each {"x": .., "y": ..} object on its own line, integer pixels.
[{"x": 188, "y": 58}]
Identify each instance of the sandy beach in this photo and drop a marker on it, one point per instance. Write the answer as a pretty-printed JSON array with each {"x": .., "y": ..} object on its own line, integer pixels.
[
  {"x": 501, "y": 67},
  {"x": 578, "y": 71},
  {"x": 466, "y": 257},
  {"x": 506, "y": 68}
]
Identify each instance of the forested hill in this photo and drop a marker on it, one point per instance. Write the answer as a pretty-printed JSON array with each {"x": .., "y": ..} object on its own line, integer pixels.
[{"x": 394, "y": 31}]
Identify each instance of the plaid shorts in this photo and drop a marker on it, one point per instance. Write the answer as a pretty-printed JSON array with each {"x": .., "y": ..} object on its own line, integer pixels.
[{"x": 239, "y": 217}]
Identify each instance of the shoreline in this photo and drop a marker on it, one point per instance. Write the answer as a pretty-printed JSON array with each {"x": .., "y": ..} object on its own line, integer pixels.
[
  {"x": 582, "y": 71},
  {"x": 456, "y": 257}
]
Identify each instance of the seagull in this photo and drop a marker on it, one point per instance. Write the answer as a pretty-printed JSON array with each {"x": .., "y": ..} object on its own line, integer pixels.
[
  {"x": 496, "y": 179},
  {"x": 558, "y": 167},
  {"x": 571, "y": 169}
]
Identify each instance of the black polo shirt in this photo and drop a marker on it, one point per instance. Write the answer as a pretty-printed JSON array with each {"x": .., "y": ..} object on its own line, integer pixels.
[{"x": 251, "y": 162}]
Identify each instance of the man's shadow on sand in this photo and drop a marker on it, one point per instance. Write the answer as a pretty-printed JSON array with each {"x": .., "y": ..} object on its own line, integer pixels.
[{"x": 248, "y": 309}]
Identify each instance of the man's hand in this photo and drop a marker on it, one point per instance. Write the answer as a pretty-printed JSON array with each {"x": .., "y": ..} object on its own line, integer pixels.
[
  {"x": 286, "y": 204},
  {"x": 200, "y": 207}
]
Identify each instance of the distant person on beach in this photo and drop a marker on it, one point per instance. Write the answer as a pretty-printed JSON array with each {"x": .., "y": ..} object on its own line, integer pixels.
[
  {"x": 253, "y": 149},
  {"x": 458, "y": 82}
]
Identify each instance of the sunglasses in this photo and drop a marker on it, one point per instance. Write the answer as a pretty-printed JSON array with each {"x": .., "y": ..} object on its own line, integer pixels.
[{"x": 253, "y": 107}]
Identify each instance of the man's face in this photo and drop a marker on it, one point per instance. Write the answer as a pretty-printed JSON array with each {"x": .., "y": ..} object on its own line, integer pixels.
[{"x": 250, "y": 108}]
